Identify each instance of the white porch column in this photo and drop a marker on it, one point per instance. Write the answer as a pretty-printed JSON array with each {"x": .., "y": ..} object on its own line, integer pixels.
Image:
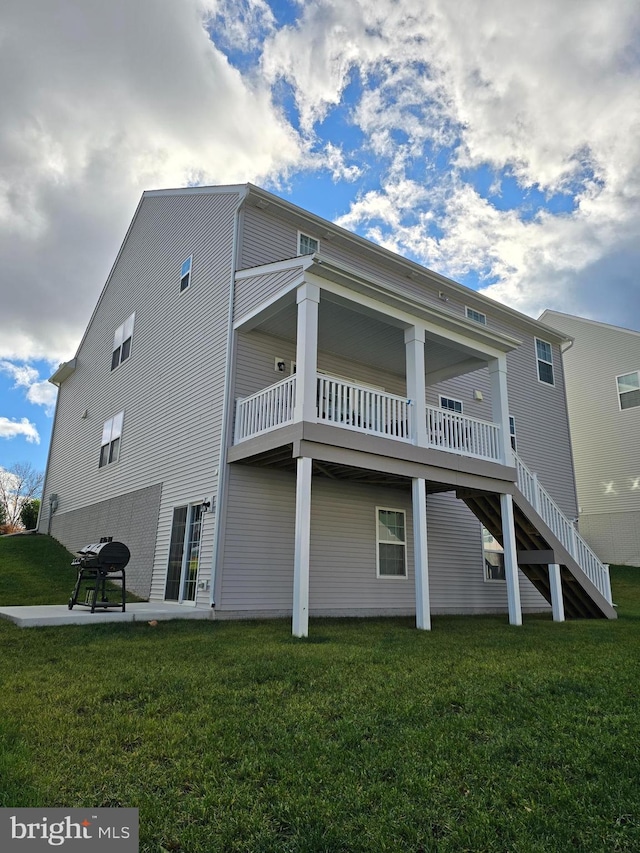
[
  {"x": 300, "y": 620},
  {"x": 510, "y": 560},
  {"x": 555, "y": 585},
  {"x": 308, "y": 298},
  {"x": 414, "y": 347},
  {"x": 500, "y": 404},
  {"x": 421, "y": 557}
]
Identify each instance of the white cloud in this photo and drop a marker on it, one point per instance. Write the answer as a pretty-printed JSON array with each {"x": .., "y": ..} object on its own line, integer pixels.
[
  {"x": 24, "y": 427},
  {"x": 22, "y": 374},
  {"x": 43, "y": 394},
  {"x": 104, "y": 100},
  {"x": 546, "y": 93}
]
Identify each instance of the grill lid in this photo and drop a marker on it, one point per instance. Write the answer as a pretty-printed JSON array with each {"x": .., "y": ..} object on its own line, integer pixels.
[{"x": 109, "y": 556}]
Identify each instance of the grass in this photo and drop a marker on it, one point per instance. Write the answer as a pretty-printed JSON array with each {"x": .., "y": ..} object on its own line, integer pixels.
[{"x": 368, "y": 736}]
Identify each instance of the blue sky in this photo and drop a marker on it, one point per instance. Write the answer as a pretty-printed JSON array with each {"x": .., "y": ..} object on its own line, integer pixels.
[{"x": 495, "y": 143}]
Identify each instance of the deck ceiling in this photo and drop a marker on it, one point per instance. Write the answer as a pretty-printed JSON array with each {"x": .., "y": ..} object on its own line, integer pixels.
[
  {"x": 282, "y": 459},
  {"x": 367, "y": 339}
]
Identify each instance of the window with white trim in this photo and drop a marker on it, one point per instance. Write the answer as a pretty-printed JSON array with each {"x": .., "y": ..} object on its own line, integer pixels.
[
  {"x": 476, "y": 316},
  {"x": 185, "y": 273},
  {"x": 122, "y": 342},
  {"x": 512, "y": 433},
  {"x": 544, "y": 355},
  {"x": 629, "y": 390},
  {"x": 451, "y": 405},
  {"x": 391, "y": 543},
  {"x": 493, "y": 557},
  {"x": 111, "y": 435},
  {"x": 307, "y": 245}
]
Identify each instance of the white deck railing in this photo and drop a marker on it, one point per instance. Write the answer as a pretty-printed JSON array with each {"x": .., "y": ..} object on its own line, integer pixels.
[
  {"x": 554, "y": 518},
  {"x": 456, "y": 433},
  {"x": 363, "y": 409},
  {"x": 265, "y": 410}
]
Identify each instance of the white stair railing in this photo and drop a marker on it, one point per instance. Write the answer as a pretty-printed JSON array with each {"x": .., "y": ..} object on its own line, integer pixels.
[{"x": 552, "y": 515}]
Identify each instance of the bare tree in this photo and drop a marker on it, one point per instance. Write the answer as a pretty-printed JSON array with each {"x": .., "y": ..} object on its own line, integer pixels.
[{"x": 19, "y": 483}]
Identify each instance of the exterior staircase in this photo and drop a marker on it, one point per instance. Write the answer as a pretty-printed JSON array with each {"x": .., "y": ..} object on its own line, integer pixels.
[{"x": 545, "y": 535}]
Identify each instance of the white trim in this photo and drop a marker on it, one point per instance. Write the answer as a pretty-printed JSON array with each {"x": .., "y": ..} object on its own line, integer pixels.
[
  {"x": 405, "y": 576},
  {"x": 301, "y": 261},
  {"x": 467, "y": 309},
  {"x": 244, "y": 322},
  {"x": 555, "y": 586},
  {"x": 544, "y": 361}
]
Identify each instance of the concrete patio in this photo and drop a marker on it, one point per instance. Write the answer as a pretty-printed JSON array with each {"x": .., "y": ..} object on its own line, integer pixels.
[{"x": 38, "y": 616}]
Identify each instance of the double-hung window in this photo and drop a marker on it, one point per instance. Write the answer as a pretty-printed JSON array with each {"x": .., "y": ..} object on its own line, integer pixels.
[
  {"x": 629, "y": 390},
  {"x": 391, "y": 543},
  {"x": 512, "y": 433},
  {"x": 122, "y": 342},
  {"x": 307, "y": 245},
  {"x": 545, "y": 362},
  {"x": 493, "y": 553},
  {"x": 185, "y": 273},
  {"x": 111, "y": 435}
]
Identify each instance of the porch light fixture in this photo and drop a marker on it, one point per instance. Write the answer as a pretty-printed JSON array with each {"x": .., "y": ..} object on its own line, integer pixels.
[
  {"x": 477, "y": 395},
  {"x": 206, "y": 505},
  {"x": 279, "y": 365},
  {"x": 443, "y": 296}
]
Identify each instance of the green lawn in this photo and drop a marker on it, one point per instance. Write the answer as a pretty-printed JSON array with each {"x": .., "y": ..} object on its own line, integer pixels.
[{"x": 368, "y": 736}]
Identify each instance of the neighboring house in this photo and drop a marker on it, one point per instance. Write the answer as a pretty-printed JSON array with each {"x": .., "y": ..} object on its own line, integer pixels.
[
  {"x": 602, "y": 369},
  {"x": 280, "y": 417}
]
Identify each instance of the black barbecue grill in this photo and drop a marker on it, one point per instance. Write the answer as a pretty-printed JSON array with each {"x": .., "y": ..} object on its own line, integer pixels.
[{"x": 98, "y": 563}]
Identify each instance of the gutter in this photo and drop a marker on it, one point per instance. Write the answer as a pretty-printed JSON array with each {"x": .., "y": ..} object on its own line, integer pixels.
[{"x": 227, "y": 412}]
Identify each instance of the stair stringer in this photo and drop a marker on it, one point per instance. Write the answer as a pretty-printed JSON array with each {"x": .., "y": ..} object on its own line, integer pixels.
[{"x": 582, "y": 599}]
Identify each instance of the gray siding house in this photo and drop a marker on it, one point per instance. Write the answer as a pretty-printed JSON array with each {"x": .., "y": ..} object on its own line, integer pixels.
[
  {"x": 280, "y": 417},
  {"x": 602, "y": 369}
]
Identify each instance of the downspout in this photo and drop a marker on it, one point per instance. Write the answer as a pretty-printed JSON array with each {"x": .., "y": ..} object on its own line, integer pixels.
[
  {"x": 227, "y": 412},
  {"x": 46, "y": 475}
]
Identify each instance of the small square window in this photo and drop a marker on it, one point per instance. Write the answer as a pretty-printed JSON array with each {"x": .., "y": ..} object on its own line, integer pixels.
[
  {"x": 544, "y": 354},
  {"x": 451, "y": 405},
  {"x": 629, "y": 390},
  {"x": 476, "y": 316},
  {"x": 185, "y": 273},
  {"x": 307, "y": 245},
  {"x": 391, "y": 543}
]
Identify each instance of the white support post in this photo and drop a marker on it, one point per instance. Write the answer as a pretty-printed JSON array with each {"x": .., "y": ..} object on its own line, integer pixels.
[
  {"x": 308, "y": 298},
  {"x": 555, "y": 585},
  {"x": 500, "y": 405},
  {"x": 300, "y": 620},
  {"x": 421, "y": 556},
  {"x": 414, "y": 348},
  {"x": 510, "y": 560}
]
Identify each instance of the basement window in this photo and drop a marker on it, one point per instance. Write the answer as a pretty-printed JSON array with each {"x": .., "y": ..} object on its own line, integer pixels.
[
  {"x": 493, "y": 554},
  {"x": 391, "y": 543}
]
